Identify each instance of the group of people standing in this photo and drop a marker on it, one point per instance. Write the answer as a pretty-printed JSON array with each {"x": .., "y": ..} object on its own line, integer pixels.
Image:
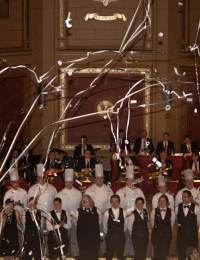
[{"x": 44, "y": 222}]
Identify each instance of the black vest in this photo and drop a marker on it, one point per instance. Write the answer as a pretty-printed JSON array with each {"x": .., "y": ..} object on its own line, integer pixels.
[
  {"x": 140, "y": 226},
  {"x": 187, "y": 225},
  {"x": 115, "y": 227},
  {"x": 30, "y": 223},
  {"x": 63, "y": 218},
  {"x": 162, "y": 226},
  {"x": 88, "y": 229}
]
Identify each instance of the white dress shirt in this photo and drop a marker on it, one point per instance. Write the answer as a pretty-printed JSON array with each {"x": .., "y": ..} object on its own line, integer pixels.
[{"x": 156, "y": 197}]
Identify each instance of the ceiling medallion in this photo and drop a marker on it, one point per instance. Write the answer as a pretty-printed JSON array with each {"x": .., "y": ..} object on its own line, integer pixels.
[{"x": 106, "y": 2}]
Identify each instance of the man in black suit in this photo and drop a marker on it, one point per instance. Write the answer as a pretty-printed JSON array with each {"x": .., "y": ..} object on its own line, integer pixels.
[
  {"x": 81, "y": 148},
  {"x": 86, "y": 162},
  {"x": 143, "y": 144},
  {"x": 165, "y": 145},
  {"x": 122, "y": 142},
  {"x": 189, "y": 147}
]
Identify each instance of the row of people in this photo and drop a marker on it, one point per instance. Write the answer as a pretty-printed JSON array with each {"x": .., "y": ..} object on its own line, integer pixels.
[
  {"x": 144, "y": 144},
  {"x": 44, "y": 193}
]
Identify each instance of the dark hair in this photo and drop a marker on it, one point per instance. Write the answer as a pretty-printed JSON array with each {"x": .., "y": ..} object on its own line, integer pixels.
[
  {"x": 57, "y": 200},
  {"x": 164, "y": 197},
  {"x": 115, "y": 196},
  {"x": 166, "y": 133},
  {"x": 84, "y": 136},
  {"x": 188, "y": 193},
  {"x": 9, "y": 200},
  {"x": 31, "y": 198},
  {"x": 139, "y": 199},
  {"x": 187, "y": 136}
]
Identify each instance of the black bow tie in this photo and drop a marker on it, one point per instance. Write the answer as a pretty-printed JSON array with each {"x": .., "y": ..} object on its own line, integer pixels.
[{"x": 186, "y": 206}]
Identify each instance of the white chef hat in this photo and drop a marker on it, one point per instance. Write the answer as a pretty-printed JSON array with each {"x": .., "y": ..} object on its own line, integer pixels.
[
  {"x": 130, "y": 172},
  {"x": 69, "y": 174},
  {"x": 99, "y": 170},
  {"x": 161, "y": 181},
  {"x": 14, "y": 176},
  {"x": 39, "y": 168},
  {"x": 188, "y": 174}
]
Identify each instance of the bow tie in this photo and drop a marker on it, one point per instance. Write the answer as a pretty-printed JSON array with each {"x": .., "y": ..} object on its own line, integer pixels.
[
  {"x": 163, "y": 210},
  {"x": 58, "y": 211},
  {"x": 186, "y": 206}
]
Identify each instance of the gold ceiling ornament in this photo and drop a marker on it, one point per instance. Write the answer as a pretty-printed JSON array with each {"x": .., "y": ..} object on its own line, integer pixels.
[
  {"x": 103, "y": 106},
  {"x": 106, "y": 18},
  {"x": 106, "y": 2}
]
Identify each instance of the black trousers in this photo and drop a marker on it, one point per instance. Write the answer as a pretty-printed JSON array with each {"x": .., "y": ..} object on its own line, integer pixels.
[
  {"x": 185, "y": 241},
  {"x": 86, "y": 253},
  {"x": 161, "y": 247},
  {"x": 115, "y": 246},
  {"x": 140, "y": 246}
]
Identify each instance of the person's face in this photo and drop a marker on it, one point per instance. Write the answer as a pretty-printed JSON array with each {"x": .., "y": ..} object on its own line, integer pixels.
[
  {"x": 10, "y": 205},
  {"x": 15, "y": 154},
  {"x": 69, "y": 184},
  {"x": 144, "y": 134},
  {"x": 195, "y": 254},
  {"x": 129, "y": 183},
  {"x": 52, "y": 156},
  {"x": 32, "y": 204},
  {"x": 189, "y": 184},
  {"x": 86, "y": 202},
  {"x": 187, "y": 140},
  {"x": 99, "y": 181},
  {"x": 40, "y": 180},
  {"x": 162, "y": 189},
  {"x": 186, "y": 198},
  {"x": 121, "y": 134},
  {"x": 87, "y": 154},
  {"x": 115, "y": 203},
  {"x": 139, "y": 205},
  {"x": 165, "y": 137},
  {"x": 57, "y": 205},
  {"x": 15, "y": 184},
  {"x": 162, "y": 203}
]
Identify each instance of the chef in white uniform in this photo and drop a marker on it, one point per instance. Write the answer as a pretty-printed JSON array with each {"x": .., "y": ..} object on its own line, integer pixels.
[
  {"x": 71, "y": 199},
  {"x": 99, "y": 192},
  {"x": 189, "y": 185},
  {"x": 17, "y": 194},
  {"x": 162, "y": 187},
  {"x": 128, "y": 195},
  {"x": 43, "y": 191}
]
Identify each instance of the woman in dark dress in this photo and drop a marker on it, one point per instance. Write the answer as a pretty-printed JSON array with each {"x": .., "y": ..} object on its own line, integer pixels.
[
  {"x": 163, "y": 219},
  {"x": 88, "y": 230},
  {"x": 32, "y": 236},
  {"x": 10, "y": 221}
]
